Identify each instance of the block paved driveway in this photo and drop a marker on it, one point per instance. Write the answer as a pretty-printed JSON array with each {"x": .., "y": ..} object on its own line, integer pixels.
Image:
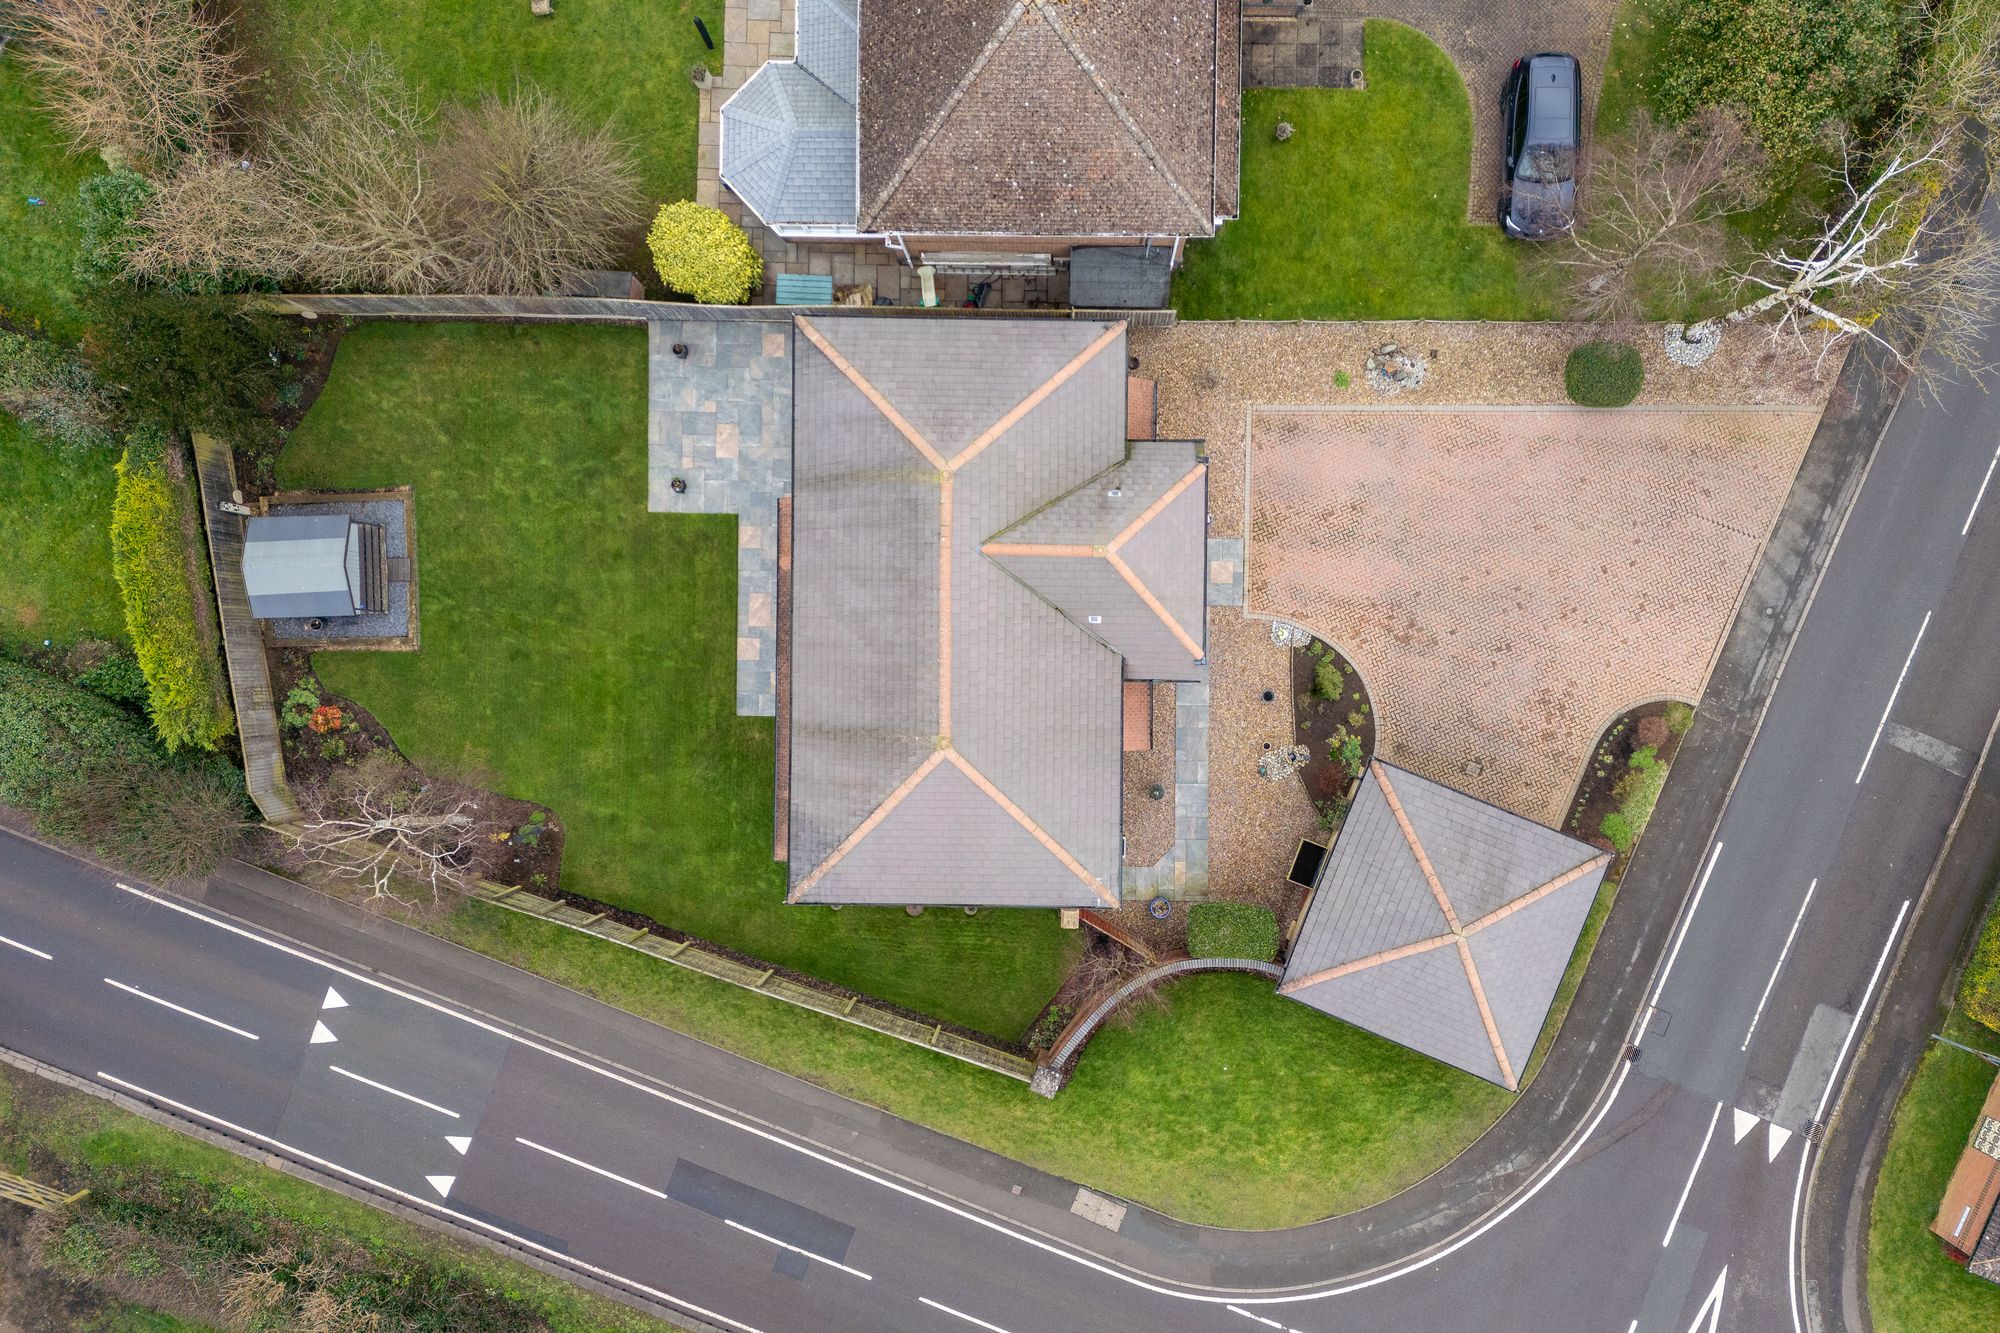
[
  {"x": 1484, "y": 38},
  {"x": 1509, "y": 580}
]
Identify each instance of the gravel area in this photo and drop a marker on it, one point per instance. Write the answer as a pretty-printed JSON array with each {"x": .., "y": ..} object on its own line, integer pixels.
[
  {"x": 1149, "y": 824},
  {"x": 1254, "y": 824},
  {"x": 1211, "y": 372}
]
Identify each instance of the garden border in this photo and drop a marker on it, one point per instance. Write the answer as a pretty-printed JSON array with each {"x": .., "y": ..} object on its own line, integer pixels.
[{"x": 1050, "y": 1075}]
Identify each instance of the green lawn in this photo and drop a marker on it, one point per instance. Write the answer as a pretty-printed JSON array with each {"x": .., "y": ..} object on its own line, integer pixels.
[
  {"x": 619, "y": 62},
  {"x": 580, "y": 651},
  {"x": 1361, "y": 213},
  {"x": 38, "y": 242},
  {"x": 55, "y": 515},
  {"x": 1912, "y": 1286},
  {"x": 1231, "y": 1106}
]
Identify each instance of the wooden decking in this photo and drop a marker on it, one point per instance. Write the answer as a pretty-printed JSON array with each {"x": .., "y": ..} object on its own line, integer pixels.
[{"x": 242, "y": 639}]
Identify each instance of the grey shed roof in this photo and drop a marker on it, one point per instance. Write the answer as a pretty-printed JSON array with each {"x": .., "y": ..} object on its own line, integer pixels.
[
  {"x": 789, "y": 133},
  {"x": 955, "y": 737},
  {"x": 301, "y": 565},
  {"x": 1120, "y": 277},
  {"x": 1443, "y": 923}
]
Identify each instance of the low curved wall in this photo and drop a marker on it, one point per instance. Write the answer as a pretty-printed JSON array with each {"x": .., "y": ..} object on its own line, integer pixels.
[{"x": 1049, "y": 1077}]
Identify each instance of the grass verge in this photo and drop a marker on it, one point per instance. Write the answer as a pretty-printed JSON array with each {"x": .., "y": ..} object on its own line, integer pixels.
[
  {"x": 176, "y": 1224},
  {"x": 1360, "y": 214},
  {"x": 39, "y": 224},
  {"x": 580, "y": 652},
  {"x": 55, "y": 518}
]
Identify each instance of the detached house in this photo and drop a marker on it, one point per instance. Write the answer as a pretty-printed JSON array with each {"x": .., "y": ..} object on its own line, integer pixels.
[
  {"x": 974, "y": 132},
  {"x": 981, "y": 560}
]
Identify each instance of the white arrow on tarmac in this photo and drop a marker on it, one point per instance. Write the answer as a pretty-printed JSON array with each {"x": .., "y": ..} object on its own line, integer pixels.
[
  {"x": 459, "y": 1143},
  {"x": 442, "y": 1184},
  {"x": 1711, "y": 1309},
  {"x": 1780, "y": 1136},
  {"x": 322, "y": 1034},
  {"x": 332, "y": 1000},
  {"x": 1745, "y": 1122}
]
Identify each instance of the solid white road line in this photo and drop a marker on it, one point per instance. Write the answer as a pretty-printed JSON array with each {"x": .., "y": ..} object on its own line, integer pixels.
[
  {"x": 1688, "y": 1188},
  {"x": 1267, "y": 1323},
  {"x": 815, "y": 1257},
  {"x": 1789, "y": 936},
  {"x": 432, "y": 1204},
  {"x": 1984, "y": 483},
  {"x": 827, "y": 1159},
  {"x": 181, "y": 1009},
  {"x": 1866, "y": 758},
  {"x": 394, "y": 1092},
  {"x": 1686, "y": 921},
  {"x": 25, "y": 948},
  {"x": 960, "y": 1314},
  {"x": 1712, "y": 1307},
  {"x": 595, "y": 1170},
  {"x": 1805, "y": 1154}
]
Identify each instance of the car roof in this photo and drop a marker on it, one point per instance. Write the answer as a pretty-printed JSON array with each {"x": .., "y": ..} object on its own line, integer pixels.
[{"x": 1552, "y": 81}]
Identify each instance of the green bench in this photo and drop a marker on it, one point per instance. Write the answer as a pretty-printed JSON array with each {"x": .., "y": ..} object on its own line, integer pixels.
[{"x": 804, "y": 289}]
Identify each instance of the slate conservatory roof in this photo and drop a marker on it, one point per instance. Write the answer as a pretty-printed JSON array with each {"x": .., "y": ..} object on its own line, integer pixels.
[
  {"x": 979, "y": 560},
  {"x": 1443, "y": 923}
]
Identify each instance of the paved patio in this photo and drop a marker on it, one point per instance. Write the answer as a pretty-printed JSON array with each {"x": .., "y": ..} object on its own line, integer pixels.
[
  {"x": 1508, "y": 581},
  {"x": 720, "y": 419}
]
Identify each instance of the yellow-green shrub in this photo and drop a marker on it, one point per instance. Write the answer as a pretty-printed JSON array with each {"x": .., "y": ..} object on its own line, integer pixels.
[
  {"x": 1981, "y": 992},
  {"x": 151, "y": 560},
  {"x": 701, "y": 254}
]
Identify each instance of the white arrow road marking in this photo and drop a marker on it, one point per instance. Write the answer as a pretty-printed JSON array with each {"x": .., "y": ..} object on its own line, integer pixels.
[
  {"x": 16, "y": 944},
  {"x": 322, "y": 1034},
  {"x": 459, "y": 1143},
  {"x": 1712, "y": 1307},
  {"x": 442, "y": 1184},
  {"x": 332, "y": 1000},
  {"x": 1780, "y": 1136},
  {"x": 1745, "y": 1122},
  {"x": 180, "y": 1009}
]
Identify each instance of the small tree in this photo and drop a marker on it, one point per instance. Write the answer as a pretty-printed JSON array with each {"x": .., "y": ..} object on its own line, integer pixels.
[
  {"x": 192, "y": 363},
  {"x": 701, "y": 254},
  {"x": 144, "y": 79},
  {"x": 53, "y": 392},
  {"x": 1653, "y": 231},
  {"x": 1898, "y": 267},
  {"x": 399, "y": 835},
  {"x": 535, "y": 198},
  {"x": 218, "y": 223},
  {"x": 108, "y": 205}
]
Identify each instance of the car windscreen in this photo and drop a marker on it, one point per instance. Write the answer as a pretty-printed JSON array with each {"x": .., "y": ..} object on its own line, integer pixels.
[{"x": 1546, "y": 163}]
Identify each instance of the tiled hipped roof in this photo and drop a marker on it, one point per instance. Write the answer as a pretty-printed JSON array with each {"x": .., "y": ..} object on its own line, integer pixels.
[
  {"x": 1443, "y": 923},
  {"x": 956, "y": 735},
  {"x": 1047, "y": 118}
]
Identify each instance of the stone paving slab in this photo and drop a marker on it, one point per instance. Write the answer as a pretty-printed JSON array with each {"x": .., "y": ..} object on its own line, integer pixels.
[
  {"x": 1183, "y": 872},
  {"x": 720, "y": 420},
  {"x": 1509, "y": 580}
]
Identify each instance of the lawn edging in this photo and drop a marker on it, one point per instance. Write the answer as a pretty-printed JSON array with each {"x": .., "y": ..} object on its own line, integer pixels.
[{"x": 697, "y": 957}]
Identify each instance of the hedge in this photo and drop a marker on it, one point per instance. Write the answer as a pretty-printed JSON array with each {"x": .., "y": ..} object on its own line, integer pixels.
[
  {"x": 1232, "y": 930},
  {"x": 53, "y": 737},
  {"x": 701, "y": 254},
  {"x": 1637, "y": 792},
  {"x": 1982, "y": 975},
  {"x": 49, "y": 389},
  {"x": 150, "y": 557},
  {"x": 1603, "y": 374}
]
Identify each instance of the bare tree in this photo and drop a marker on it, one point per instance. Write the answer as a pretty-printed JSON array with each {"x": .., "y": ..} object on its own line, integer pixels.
[
  {"x": 1653, "y": 228},
  {"x": 146, "y": 79},
  {"x": 1899, "y": 267},
  {"x": 217, "y": 216},
  {"x": 534, "y": 197},
  {"x": 1959, "y": 74},
  {"x": 355, "y": 167},
  {"x": 398, "y": 835}
]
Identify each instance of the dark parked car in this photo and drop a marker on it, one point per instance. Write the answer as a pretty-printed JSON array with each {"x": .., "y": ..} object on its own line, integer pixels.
[{"x": 1541, "y": 123}]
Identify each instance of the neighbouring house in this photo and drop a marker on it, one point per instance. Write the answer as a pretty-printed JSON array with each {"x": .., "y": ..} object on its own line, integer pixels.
[
  {"x": 314, "y": 565},
  {"x": 1968, "y": 1218},
  {"x": 1443, "y": 923},
  {"x": 996, "y": 135},
  {"x": 981, "y": 559}
]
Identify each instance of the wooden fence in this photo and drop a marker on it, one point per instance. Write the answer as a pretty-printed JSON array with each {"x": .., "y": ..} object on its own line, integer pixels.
[
  {"x": 692, "y": 955},
  {"x": 34, "y": 1194},
  {"x": 614, "y": 310},
  {"x": 242, "y": 638}
]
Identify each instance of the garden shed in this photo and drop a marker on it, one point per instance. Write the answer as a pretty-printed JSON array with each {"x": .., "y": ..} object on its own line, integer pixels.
[
  {"x": 314, "y": 565},
  {"x": 1443, "y": 923}
]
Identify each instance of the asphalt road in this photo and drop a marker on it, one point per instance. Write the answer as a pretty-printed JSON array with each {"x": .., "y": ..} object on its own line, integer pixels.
[{"x": 1676, "y": 1206}]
